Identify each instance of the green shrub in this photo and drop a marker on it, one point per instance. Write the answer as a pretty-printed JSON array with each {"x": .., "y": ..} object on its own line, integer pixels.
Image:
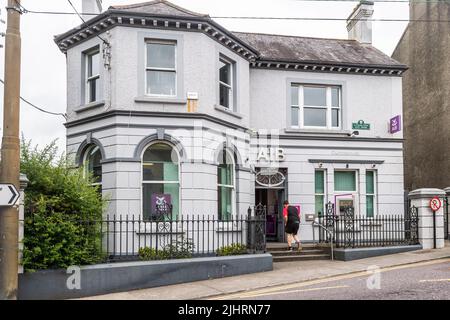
[
  {"x": 232, "y": 250},
  {"x": 61, "y": 207},
  {"x": 176, "y": 250}
]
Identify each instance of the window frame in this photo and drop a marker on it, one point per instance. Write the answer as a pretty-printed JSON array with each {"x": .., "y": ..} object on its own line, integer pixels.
[
  {"x": 91, "y": 149},
  {"x": 301, "y": 106},
  {"x": 374, "y": 194},
  {"x": 232, "y": 187},
  {"x": 149, "y": 69},
  {"x": 324, "y": 193},
  {"x": 159, "y": 181},
  {"x": 356, "y": 180},
  {"x": 231, "y": 87},
  {"x": 92, "y": 78}
]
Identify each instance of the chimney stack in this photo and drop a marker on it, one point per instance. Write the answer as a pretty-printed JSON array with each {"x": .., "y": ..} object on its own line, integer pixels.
[
  {"x": 91, "y": 6},
  {"x": 358, "y": 26}
]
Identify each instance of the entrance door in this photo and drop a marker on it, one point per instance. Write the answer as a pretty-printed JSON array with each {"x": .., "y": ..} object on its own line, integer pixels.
[{"x": 273, "y": 200}]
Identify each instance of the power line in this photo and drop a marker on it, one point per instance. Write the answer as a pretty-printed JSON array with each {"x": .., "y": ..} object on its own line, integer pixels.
[
  {"x": 79, "y": 15},
  {"x": 269, "y": 18},
  {"x": 38, "y": 108}
]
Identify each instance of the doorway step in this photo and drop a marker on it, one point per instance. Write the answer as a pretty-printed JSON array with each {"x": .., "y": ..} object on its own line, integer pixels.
[{"x": 280, "y": 253}]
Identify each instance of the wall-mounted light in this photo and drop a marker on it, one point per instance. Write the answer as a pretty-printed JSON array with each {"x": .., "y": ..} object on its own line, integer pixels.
[
  {"x": 320, "y": 165},
  {"x": 374, "y": 165},
  {"x": 347, "y": 166}
]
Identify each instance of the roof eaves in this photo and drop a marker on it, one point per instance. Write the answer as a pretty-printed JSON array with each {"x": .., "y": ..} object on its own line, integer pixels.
[{"x": 334, "y": 63}]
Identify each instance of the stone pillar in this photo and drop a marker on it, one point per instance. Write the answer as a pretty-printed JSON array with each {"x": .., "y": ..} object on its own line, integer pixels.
[
  {"x": 447, "y": 192},
  {"x": 23, "y": 184},
  {"x": 421, "y": 200}
]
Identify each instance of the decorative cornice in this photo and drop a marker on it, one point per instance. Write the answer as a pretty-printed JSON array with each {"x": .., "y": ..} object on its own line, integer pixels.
[
  {"x": 111, "y": 18},
  {"x": 318, "y": 66}
]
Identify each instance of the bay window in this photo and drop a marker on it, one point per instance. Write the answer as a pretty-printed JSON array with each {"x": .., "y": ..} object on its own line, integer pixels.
[
  {"x": 315, "y": 106},
  {"x": 161, "y": 72}
]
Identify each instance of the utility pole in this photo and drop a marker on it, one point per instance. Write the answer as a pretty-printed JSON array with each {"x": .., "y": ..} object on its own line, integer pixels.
[{"x": 10, "y": 161}]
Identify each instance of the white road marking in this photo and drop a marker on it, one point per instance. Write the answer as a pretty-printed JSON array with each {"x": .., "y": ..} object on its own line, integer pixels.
[{"x": 435, "y": 280}]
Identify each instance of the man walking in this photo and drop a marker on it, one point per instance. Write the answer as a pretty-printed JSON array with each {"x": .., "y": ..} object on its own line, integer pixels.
[{"x": 292, "y": 224}]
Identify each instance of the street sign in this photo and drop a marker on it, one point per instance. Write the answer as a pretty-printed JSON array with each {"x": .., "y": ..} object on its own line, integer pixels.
[
  {"x": 8, "y": 195},
  {"x": 360, "y": 125},
  {"x": 435, "y": 204}
]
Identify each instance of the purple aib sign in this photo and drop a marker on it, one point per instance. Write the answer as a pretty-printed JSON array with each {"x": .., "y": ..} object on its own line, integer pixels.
[{"x": 395, "y": 124}]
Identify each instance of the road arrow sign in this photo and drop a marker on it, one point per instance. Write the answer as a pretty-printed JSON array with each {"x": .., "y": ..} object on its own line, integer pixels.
[{"x": 8, "y": 195}]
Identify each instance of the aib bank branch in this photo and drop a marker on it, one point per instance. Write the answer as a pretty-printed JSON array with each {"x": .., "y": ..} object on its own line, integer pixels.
[{"x": 166, "y": 106}]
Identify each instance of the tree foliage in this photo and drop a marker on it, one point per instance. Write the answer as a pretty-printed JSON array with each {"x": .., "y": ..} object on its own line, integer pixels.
[{"x": 62, "y": 211}]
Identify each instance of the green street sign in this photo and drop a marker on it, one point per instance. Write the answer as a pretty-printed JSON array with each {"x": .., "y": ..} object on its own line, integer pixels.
[{"x": 360, "y": 125}]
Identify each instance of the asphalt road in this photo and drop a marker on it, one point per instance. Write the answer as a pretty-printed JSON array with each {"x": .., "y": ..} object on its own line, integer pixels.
[{"x": 420, "y": 281}]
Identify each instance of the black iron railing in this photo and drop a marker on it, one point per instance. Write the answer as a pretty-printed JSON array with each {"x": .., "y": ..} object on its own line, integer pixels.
[
  {"x": 128, "y": 237},
  {"x": 355, "y": 231},
  {"x": 163, "y": 236}
]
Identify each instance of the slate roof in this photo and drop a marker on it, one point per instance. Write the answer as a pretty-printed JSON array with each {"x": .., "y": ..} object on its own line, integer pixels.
[
  {"x": 159, "y": 7},
  {"x": 316, "y": 50},
  {"x": 266, "y": 47}
]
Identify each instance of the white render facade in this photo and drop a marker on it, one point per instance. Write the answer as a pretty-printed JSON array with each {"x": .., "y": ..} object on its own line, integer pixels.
[{"x": 316, "y": 163}]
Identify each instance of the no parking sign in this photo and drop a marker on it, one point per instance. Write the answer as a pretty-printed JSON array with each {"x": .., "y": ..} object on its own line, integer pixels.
[{"x": 435, "y": 204}]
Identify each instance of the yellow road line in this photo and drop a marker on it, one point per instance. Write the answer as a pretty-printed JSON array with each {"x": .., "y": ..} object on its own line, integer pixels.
[
  {"x": 297, "y": 291},
  {"x": 435, "y": 280},
  {"x": 324, "y": 280}
]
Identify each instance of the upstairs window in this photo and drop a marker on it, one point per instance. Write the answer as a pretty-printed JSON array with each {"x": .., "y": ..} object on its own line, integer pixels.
[
  {"x": 315, "y": 106},
  {"x": 161, "y": 71},
  {"x": 226, "y": 83},
  {"x": 92, "y": 76}
]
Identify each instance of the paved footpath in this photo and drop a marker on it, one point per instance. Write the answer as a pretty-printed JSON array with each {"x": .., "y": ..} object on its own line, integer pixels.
[{"x": 283, "y": 274}]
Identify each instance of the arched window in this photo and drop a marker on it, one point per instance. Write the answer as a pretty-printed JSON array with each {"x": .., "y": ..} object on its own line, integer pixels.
[
  {"x": 160, "y": 180},
  {"x": 92, "y": 163},
  {"x": 226, "y": 185}
]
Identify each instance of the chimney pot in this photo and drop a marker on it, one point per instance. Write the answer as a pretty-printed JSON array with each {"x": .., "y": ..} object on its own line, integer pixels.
[
  {"x": 359, "y": 26},
  {"x": 91, "y": 6}
]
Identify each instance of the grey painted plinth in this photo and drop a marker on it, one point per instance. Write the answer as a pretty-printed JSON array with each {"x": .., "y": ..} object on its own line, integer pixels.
[
  {"x": 420, "y": 198},
  {"x": 118, "y": 277},
  {"x": 362, "y": 253}
]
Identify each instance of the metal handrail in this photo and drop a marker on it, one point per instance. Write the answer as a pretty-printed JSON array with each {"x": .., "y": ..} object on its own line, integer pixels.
[{"x": 331, "y": 233}]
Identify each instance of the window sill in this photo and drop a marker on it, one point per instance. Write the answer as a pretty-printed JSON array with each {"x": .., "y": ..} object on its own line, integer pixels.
[
  {"x": 90, "y": 106},
  {"x": 227, "y": 111},
  {"x": 319, "y": 131},
  {"x": 167, "y": 100}
]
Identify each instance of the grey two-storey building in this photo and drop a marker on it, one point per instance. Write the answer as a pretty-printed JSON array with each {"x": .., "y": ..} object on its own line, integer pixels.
[{"x": 166, "y": 105}]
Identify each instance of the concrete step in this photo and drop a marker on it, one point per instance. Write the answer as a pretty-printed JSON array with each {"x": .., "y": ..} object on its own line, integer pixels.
[
  {"x": 284, "y": 247},
  {"x": 280, "y": 253},
  {"x": 308, "y": 257}
]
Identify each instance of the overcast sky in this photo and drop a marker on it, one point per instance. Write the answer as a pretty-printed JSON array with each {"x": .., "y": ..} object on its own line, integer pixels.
[{"x": 44, "y": 66}]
